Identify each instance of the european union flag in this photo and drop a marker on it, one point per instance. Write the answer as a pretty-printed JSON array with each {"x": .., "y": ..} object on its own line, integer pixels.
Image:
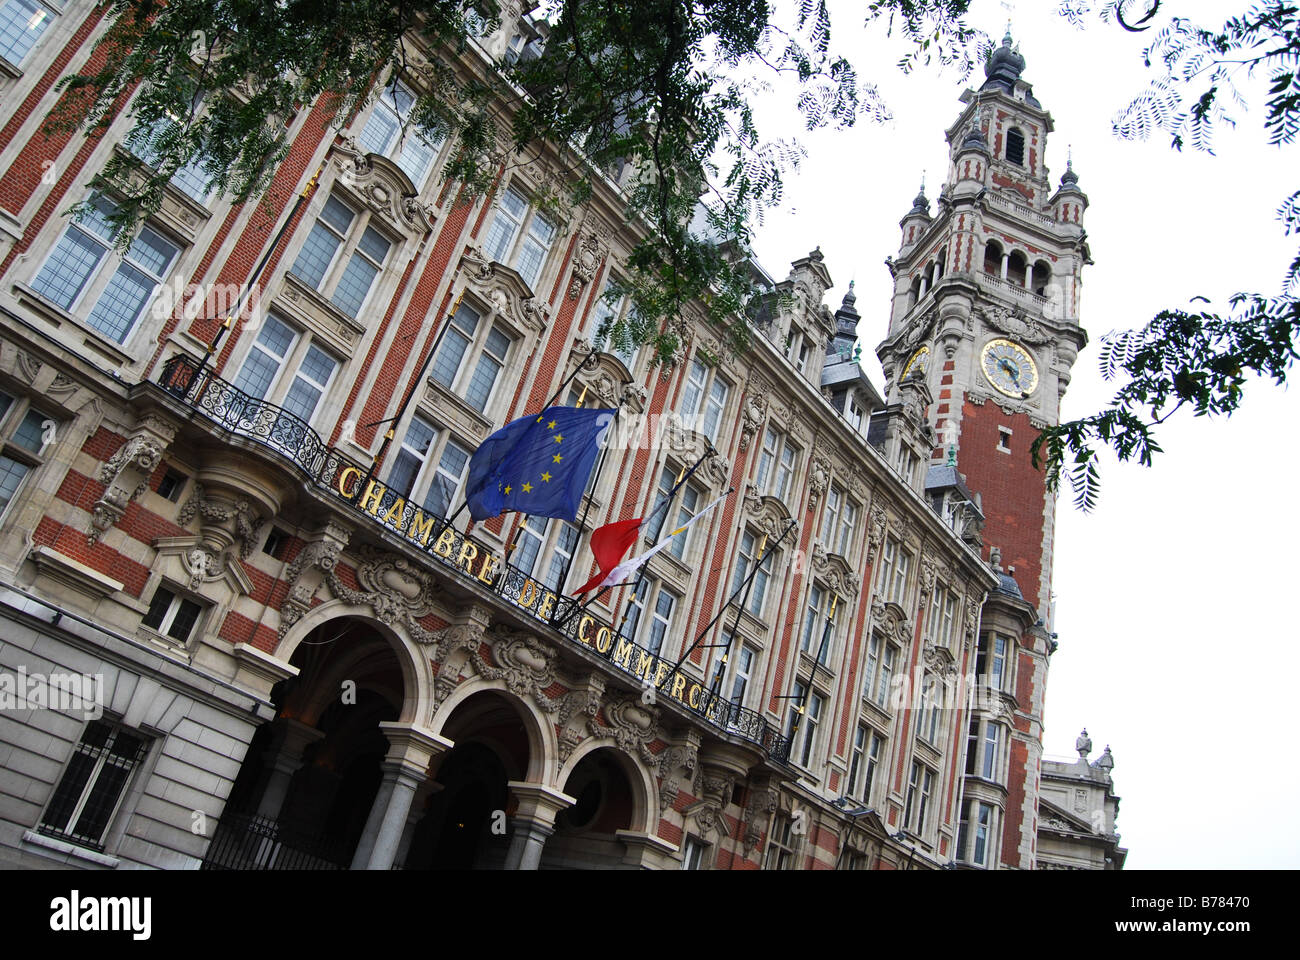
[{"x": 538, "y": 464}]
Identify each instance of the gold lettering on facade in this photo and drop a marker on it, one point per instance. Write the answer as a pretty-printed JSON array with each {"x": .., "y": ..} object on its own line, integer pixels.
[
  {"x": 528, "y": 594},
  {"x": 693, "y": 698},
  {"x": 445, "y": 542},
  {"x": 679, "y": 687},
  {"x": 584, "y": 626},
  {"x": 623, "y": 653},
  {"x": 544, "y": 608},
  {"x": 394, "y": 514},
  {"x": 373, "y": 497},
  {"x": 488, "y": 568},
  {"x": 344, "y": 480},
  {"x": 421, "y": 528},
  {"x": 604, "y": 637},
  {"x": 467, "y": 554}
]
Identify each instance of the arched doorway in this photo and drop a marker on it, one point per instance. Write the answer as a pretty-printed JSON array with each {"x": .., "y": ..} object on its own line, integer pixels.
[
  {"x": 464, "y": 823},
  {"x": 309, "y": 779},
  {"x": 586, "y": 833}
]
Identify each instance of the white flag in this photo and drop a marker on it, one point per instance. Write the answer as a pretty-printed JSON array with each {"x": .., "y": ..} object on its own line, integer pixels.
[{"x": 625, "y": 570}]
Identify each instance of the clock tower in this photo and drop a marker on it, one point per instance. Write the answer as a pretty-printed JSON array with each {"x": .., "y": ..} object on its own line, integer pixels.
[{"x": 985, "y": 315}]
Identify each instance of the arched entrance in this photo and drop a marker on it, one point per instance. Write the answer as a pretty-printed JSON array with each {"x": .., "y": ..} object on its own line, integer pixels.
[
  {"x": 464, "y": 812},
  {"x": 310, "y": 777},
  {"x": 586, "y": 833}
]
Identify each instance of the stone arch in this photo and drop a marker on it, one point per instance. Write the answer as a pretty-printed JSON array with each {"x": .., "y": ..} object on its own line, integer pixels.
[
  {"x": 417, "y": 677},
  {"x": 645, "y": 796},
  {"x": 538, "y": 728}
]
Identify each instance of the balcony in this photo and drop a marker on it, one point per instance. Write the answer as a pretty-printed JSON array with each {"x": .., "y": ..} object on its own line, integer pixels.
[{"x": 452, "y": 553}]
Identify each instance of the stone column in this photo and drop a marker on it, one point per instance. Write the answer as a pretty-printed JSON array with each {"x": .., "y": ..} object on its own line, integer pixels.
[
  {"x": 1006, "y": 260},
  {"x": 534, "y": 822},
  {"x": 413, "y": 818},
  {"x": 292, "y": 737},
  {"x": 405, "y": 768}
]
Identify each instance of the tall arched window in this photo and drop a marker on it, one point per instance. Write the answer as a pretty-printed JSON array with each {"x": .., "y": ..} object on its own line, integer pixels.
[
  {"x": 1016, "y": 146},
  {"x": 1016, "y": 268},
  {"x": 1041, "y": 277},
  {"x": 993, "y": 258}
]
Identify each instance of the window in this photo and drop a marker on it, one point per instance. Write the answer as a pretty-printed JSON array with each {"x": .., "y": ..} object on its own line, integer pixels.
[
  {"x": 342, "y": 256},
  {"x": 667, "y": 480},
  {"x": 703, "y": 400},
  {"x": 906, "y": 462},
  {"x": 983, "y": 746},
  {"x": 429, "y": 468},
  {"x": 536, "y": 538},
  {"x": 1004, "y": 440},
  {"x": 991, "y": 662},
  {"x": 973, "y": 844},
  {"x": 93, "y": 784},
  {"x": 868, "y": 748},
  {"x": 776, "y": 464},
  {"x": 803, "y": 729},
  {"x": 82, "y": 270},
  {"x": 931, "y": 703},
  {"x": 276, "y": 542},
  {"x": 190, "y": 179},
  {"x": 22, "y": 22},
  {"x": 604, "y": 316},
  {"x": 504, "y": 243},
  {"x": 650, "y": 631},
  {"x": 780, "y": 846},
  {"x": 744, "y": 565},
  {"x": 895, "y": 563},
  {"x": 1016, "y": 146},
  {"x": 817, "y": 625},
  {"x": 265, "y": 371},
  {"x": 471, "y": 356},
  {"x": 838, "y": 521},
  {"x": 881, "y": 658},
  {"x": 941, "y": 623},
  {"x": 686, "y": 508},
  {"x": 391, "y": 133},
  {"x": 800, "y": 350},
  {"x": 693, "y": 853},
  {"x": 172, "y": 615},
  {"x": 920, "y": 787},
  {"x": 171, "y": 485},
  {"x": 856, "y": 415},
  {"x": 23, "y": 434}
]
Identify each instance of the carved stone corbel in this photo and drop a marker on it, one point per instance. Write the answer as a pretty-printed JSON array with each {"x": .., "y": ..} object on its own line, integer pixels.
[
  {"x": 308, "y": 569},
  {"x": 125, "y": 475}
]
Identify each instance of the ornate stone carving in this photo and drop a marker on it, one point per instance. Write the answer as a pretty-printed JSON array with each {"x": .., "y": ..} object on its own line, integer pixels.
[
  {"x": 384, "y": 187},
  {"x": 634, "y": 726},
  {"x": 216, "y": 510},
  {"x": 821, "y": 475},
  {"x": 592, "y": 248},
  {"x": 876, "y": 531},
  {"x": 834, "y": 571},
  {"x": 668, "y": 790},
  {"x": 125, "y": 475},
  {"x": 751, "y": 415},
  {"x": 770, "y": 515},
  {"x": 1014, "y": 324},
  {"x": 398, "y": 592},
  {"x": 690, "y": 446},
  {"x": 27, "y": 366},
  {"x": 929, "y": 571},
  {"x": 504, "y": 291},
  {"x": 318, "y": 555},
  {"x": 525, "y": 662}
]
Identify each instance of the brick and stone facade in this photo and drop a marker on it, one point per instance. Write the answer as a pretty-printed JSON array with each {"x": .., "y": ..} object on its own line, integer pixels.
[{"x": 297, "y": 661}]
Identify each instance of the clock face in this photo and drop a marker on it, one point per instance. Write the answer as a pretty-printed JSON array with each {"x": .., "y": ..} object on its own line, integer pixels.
[
  {"x": 1010, "y": 368},
  {"x": 920, "y": 361}
]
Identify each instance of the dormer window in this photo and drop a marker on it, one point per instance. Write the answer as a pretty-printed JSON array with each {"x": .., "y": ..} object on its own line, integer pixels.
[{"x": 1016, "y": 147}]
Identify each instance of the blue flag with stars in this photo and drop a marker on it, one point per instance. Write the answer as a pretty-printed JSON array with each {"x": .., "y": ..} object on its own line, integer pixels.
[{"x": 538, "y": 464}]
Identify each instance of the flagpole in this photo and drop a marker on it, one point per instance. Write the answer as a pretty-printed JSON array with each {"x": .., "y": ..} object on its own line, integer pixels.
[
  {"x": 681, "y": 479},
  {"x": 406, "y": 400},
  {"x": 803, "y": 703},
  {"x": 600, "y": 466},
  {"x": 229, "y": 322},
  {"x": 743, "y": 587}
]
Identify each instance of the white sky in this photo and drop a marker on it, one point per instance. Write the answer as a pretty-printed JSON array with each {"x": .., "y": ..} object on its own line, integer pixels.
[{"x": 1176, "y": 644}]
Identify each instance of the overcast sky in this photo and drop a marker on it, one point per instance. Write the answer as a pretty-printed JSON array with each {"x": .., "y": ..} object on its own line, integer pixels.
[{"x": 1177, "y": 646}]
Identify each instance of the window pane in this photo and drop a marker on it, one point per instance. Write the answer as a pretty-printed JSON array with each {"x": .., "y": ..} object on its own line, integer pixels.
[
  {"x": 450, "y": 354},
  {"x": 11, "y": 476},
  {"x": 482, "y": 382},
  {"x": 21, "y": 24},
  {"x": 381, "y": 129},
  {"x": 65, "y": 273},
  {"x": 354, "y": 285},
  {"x": 122, "y": 301},
  {"x": 186, "y": 616}
]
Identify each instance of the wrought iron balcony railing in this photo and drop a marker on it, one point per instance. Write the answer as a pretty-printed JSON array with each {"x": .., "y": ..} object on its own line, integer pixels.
[{"x": 462, "y": 556}]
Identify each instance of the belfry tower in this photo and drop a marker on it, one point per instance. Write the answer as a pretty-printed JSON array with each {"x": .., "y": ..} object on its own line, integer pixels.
[{"x": 985, "y": 313}]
